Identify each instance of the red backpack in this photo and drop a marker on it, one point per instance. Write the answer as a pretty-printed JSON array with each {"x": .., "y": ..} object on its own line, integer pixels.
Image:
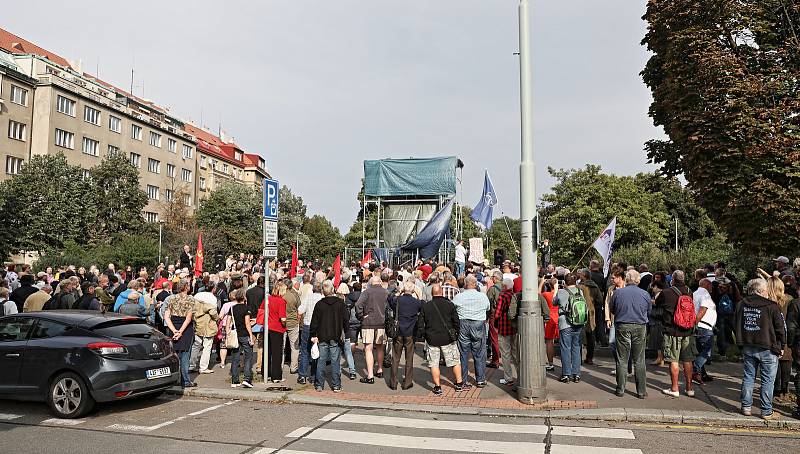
[{"x": 684, "y": 311}]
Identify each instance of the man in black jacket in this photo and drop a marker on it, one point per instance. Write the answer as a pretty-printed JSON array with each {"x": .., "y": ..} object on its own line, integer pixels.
[
  {"x": 439, "y": 320},
  {"x": 186, "y": 258},
  {"x": 25, "y": 290},
  {"x": 329, "y": 322},
  {"x": 761, "y": 333}
]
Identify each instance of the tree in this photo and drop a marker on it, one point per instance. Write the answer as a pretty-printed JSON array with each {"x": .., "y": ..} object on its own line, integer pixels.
[
  {"x": 233, "y": 213},
  {"x": 725, "y": 79},
  {"x": 582, "y": 203},
  {"x": 117, "y": 200},
  {"x": 291, "y": 217},
  {"x": 47, "y": 204},
  {"x": 176, "y": 213},
  {"x": 325, "y": 240}
]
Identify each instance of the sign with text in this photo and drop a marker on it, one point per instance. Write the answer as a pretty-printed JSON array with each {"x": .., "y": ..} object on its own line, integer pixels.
[
  {"x": 270, "y": 234},
  {"x": 270, "y": 199}
]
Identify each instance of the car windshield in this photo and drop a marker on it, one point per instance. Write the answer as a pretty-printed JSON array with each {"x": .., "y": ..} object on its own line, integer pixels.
[{"x": 125, "y": 328}]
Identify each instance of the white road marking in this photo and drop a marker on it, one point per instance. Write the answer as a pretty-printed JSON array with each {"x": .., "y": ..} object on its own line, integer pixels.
[
  {"x": 292, "y": 451},
  {"x": 63, "y": 422},
  {"x": 129, "y": 428},
  {"x": 569, "y": 449},
  {"x": 299, "y": 432},
  {"x": 442, "y": 444},
  {"x": 135, "y": 428},
  {"x": 329, "y": 416},
  {"x": 9, "y": 416},
  {"x": 206, "y": 410},
  {"x": 472, "y": 426}
]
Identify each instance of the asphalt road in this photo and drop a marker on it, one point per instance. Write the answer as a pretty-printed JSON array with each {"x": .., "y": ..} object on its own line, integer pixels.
[{"x": 168, "y": 425}]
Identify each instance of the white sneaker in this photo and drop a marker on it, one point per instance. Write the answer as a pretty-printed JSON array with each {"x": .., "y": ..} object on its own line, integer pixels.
[
  {"x": 503, "y": 381},
  {"x": 613, "y": 371},
  {"x": 690, "y": 392},
  {"x": 246, "y": 384},
  {"x": 207, "y": 371},
  {"x": 234, "y": 385},
  {"x": 550, "y": 367},
  {"x": 671, "y": 393}
]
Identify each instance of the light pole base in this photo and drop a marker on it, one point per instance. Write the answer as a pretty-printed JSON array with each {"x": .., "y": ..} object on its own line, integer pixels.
[{"x": 532, "y": 396}]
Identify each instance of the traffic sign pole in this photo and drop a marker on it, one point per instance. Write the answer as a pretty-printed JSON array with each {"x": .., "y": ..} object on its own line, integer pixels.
[{"x": 270, "y": 250}]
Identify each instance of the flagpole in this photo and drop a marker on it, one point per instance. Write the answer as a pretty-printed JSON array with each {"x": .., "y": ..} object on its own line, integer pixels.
[
  {"x": 509, "y": 231},
  {"x": 583, "y": 256}
]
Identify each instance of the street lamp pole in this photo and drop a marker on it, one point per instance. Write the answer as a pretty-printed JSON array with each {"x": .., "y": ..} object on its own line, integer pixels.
[
  {"x": 532, "y": 379},
  {"x": 160, "y": 230}
]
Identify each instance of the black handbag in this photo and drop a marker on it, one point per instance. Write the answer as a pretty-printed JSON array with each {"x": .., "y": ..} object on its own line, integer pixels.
[{"x": 390, "y": 323}]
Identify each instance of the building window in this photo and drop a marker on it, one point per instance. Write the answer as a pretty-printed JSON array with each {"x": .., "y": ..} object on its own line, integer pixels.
[
  {"x": 187, "y": 200},
  {"x": 155, "y": 139},
  {"x": 91, "y": 147},
  {"x": 213, "y": 164},
  {"x": 136, "y": 132},
  {"x": 114, "y": 124},
  {"x": 240, "y": 173},
  {"x": 170, "y": 170},
  {"x": 168, "y": 194},
  {"x": 91, "y": 115},
  {"x": 187, "y": 152},
  {"x": 16, "y": 130},
  {"x": 85, "y": 174},
  {"x": 112, "y": 150},
  {"x": 238, "y": 155},
  {"x": 152, "y": 192},
  {"x": 202, "y": 182},
  {"x": 149, "y": 216},
  {"x": 65, "y": 106},
  {"x": 186, "y": 175},
  {"x": 225, "y": 168},
  {"x": 65, "y": 139},
  {"x": 153, "y": 165},
  {"x": 19, "y": 95},
  {"x": 202, "y": 162},
  {"x": 13, "y": 165},
  {"x": 136, "y": 160},
  {"x": 171, "y": 145}
]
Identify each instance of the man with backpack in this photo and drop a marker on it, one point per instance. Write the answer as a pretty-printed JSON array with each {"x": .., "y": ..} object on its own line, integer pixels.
[
  {"x": 678, "y": 320},
  {"x": 573, "y": 313}
]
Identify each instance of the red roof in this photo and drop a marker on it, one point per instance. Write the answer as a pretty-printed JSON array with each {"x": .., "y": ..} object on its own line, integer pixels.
[
  {"x": 16, "y": 45},
  {"x": 213, "y": 145}
]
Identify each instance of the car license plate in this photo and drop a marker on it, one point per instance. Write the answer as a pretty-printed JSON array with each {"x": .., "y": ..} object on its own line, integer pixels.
[{"x": 157, "y": 373}]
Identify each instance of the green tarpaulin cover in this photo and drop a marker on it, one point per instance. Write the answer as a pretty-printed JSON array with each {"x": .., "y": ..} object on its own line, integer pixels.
[{"x": 410, "y": 177}]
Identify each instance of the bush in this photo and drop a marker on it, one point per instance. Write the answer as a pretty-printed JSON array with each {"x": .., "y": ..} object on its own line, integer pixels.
[{"x": 133, "y": 250}]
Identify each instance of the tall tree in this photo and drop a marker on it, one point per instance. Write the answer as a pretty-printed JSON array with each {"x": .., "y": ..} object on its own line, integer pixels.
[
  {"x": 581, "y": 204},
  {"x": 233, "y": 211},
  {"x": 117, "y": 198},
  {"x": 325, "y": 240},
  {"x": 291, "y": 216},
  {"x": 725, "y": 79}
]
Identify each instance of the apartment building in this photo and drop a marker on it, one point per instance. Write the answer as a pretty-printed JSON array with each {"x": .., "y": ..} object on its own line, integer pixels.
[
  {"x": 16, "y": 115},
  {"x": 85, "y": 118}
]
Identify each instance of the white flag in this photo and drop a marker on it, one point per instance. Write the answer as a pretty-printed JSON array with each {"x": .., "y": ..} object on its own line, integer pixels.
[{"x": 604, "y": 244}]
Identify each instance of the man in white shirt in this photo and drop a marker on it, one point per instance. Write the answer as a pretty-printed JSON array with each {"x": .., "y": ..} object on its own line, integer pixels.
[
  {"x": 305, "y": 311},
  {"x": 461, "y": 259},
  {"x": 706, "y": 312}
]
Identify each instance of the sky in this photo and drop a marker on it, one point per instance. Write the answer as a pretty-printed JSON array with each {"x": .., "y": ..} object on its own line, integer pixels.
[{"x": 317, "y": 87}]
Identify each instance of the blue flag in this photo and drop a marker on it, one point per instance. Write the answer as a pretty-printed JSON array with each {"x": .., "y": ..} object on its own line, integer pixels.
[
  {"x": 482, "y": 214},
  {"x": 430, "y": 238}
]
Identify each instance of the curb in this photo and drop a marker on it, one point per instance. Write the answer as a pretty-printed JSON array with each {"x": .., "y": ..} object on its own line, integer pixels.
[{"x": 631, "y": 415}]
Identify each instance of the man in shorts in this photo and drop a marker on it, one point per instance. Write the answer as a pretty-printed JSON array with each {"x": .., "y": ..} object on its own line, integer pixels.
[
  {"x": 371, "y": 310},
  {"x": 441, "y": 325},
  {"x": 679, "y": 346}
]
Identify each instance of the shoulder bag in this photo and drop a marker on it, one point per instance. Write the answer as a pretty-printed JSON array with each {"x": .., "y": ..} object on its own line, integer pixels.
[{"x": 232, "y": 337}]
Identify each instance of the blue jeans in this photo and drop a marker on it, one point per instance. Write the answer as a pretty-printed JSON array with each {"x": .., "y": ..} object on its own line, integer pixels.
[
  {"x": 472, "y": 339},
  {"x": 305, "y": 352},
  {"x": 704, "y": 338},
  {"x": 348, "y": 353},
  {"x": 570, "y": 343},
  {"x": 752, "y": 358},
  {"x": 458, "y": 268},
  {"x": 246, "y": 348},
  {"x": 184, "y": 358},
  {"x": 328, "y": 351}
]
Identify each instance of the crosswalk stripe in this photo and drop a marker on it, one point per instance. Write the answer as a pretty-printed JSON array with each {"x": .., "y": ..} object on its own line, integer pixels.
[
  {"x": 570, "y": 449},
  {"x": 441, "y": 444},
  {"x": 329, "y": 416},
  {"x": 129, "y": 428},
  {"x": 299, "y": 432},
  {"x": 9, "y": 416},
  {"x": 473, "y": 426},
  {"x": 292, "y": 451}
]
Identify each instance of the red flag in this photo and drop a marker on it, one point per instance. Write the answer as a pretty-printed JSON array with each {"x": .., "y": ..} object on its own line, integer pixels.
[
  {"x": 367, "y": 258},
  {"x": 198, "y": 261},
  {"x": 293, "y": 270},
  {"x": 337, "y": 271}
]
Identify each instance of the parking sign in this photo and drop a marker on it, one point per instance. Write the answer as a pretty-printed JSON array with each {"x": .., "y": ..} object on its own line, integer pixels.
[{"x": 270, "y": 200}]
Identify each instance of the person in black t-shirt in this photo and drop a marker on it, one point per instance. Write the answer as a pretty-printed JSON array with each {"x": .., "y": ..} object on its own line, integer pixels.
[{"x": 240, "y": 315}]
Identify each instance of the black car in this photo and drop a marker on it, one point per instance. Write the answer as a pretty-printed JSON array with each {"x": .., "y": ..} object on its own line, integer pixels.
[{"x": 72, "y": 359}]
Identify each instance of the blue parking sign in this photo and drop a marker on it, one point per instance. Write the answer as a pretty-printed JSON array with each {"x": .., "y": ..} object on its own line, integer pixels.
[{"x": 270, "y": 199}]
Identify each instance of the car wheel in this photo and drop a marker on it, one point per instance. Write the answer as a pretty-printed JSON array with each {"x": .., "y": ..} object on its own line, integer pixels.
[{"x": 69, "y": 396}]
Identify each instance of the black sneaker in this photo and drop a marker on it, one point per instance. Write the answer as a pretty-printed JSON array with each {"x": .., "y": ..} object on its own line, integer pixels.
[
  {"x": 480, "y": 384},
  {"x": 301, "y": 380},
  {"x": 369, "y": 381},
  {"x": 408, "y": 387},
  {"x": 564, "y": 379},
  {"x": 463, "y": 386},
  {"x": 576, "y": 379},
  {"x": 379, "y": 374},
  {"x": 351, "y": 376},
  {"x": 437, "y": 391}
]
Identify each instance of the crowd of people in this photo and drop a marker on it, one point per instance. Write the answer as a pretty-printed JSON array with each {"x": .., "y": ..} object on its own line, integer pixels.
[{"x": 457, "y": 312}]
